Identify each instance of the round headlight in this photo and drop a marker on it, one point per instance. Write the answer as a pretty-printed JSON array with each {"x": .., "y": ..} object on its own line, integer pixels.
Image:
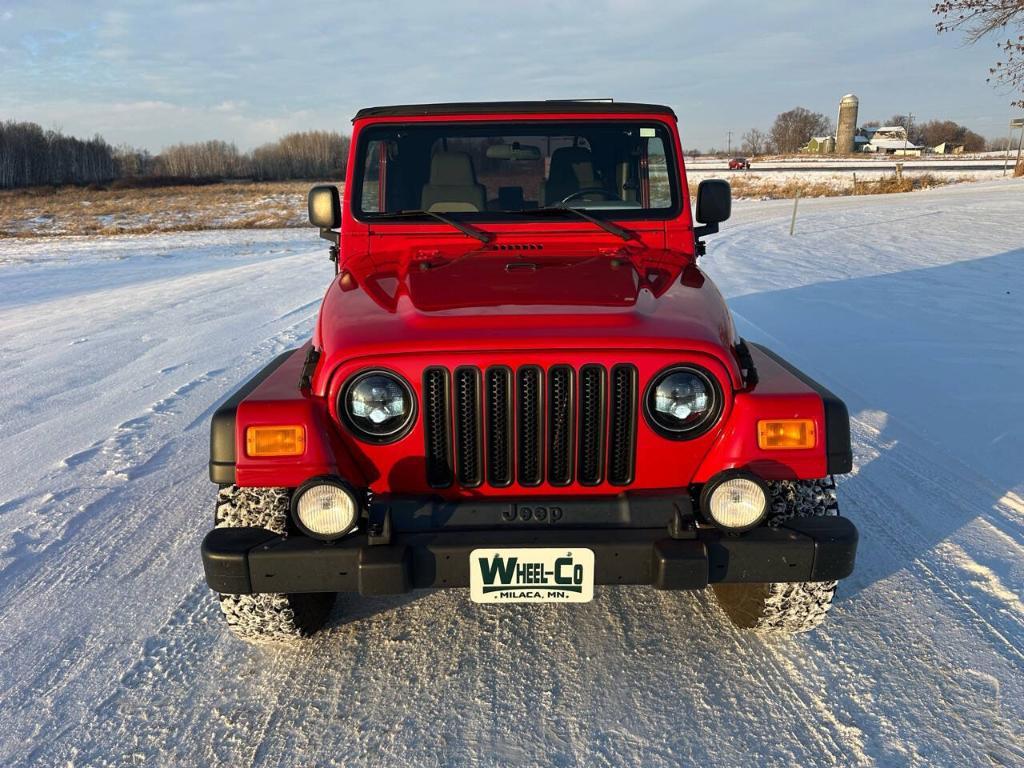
[
  {"x": 325, "y": 508},
  {"x": 682, "y": 402},
  {"x": 735, "y": 501},
  {"x": 378, "y": 406}
]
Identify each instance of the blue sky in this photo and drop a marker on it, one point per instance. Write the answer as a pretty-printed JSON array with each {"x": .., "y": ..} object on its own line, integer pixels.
[{"x": 154, "y": 73}]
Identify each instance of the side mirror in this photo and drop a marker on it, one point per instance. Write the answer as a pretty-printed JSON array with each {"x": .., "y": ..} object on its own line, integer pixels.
[
  {"x": 325, "y": 207},
  {"x": 714, "y": 205},
  {"x": 714, "y": 201}
]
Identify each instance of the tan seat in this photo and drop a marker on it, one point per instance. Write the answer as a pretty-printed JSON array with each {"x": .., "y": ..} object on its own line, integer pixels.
[
  {"x": 571, "y": 170},
  {"x": 452, "y": 185}
]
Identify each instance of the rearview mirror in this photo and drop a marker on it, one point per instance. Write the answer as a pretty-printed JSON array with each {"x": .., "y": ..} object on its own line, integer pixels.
[
  {"x": 513, "y": 151},
  {"x": 714, "y": 201},
  {"x": 325, "y": 207}
]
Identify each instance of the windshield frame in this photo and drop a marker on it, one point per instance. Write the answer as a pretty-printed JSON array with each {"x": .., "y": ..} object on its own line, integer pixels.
[{"x": 372, "y": 131}]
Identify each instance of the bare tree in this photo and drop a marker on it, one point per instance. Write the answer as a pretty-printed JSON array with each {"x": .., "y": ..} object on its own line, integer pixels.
[
  {"x": 913, "y": 129},
  {"x": 306, "y": 155},
  {"x": 979, "y": 18},
  {"x": 754, "y": 141},
  {"x": 935, "y": 132},
  {"x": 31, "y": 156},
  {"x": 133, "y": 162},
  {"x": 204, "y": 160},
  {"x": 793, "y": 129}
]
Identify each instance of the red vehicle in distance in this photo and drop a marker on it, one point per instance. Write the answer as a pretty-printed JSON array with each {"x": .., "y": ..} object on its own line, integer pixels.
[
  {"x": 520, "y": 382},
  {"x": 739, "y": 164}
]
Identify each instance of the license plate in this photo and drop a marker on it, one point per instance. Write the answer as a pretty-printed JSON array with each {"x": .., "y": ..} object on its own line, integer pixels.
[{"x": 531, "y": 575}]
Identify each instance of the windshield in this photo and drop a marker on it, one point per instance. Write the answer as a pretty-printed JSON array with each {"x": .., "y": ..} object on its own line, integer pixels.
[{"x": 496, "y": 171}]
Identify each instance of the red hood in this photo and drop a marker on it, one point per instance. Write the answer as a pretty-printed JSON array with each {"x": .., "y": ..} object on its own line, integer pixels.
[{"x": 625, "y": 298}]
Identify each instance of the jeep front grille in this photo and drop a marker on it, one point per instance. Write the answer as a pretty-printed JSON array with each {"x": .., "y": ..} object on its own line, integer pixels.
[
  {"x": 467, "y": 426},
  {"x": 436, "y": 429},
  {"x": 530, "y": 423},
  {"x": 622, "y": 437},
  {"x": 501, "y": 426}
]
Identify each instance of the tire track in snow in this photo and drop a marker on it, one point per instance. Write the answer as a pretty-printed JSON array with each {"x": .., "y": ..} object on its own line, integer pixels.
[{"x": 127, "y": 652}]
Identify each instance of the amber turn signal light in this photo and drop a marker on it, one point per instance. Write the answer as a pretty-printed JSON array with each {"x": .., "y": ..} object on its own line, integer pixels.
[
  {"x": 781, "y": 434},
  {"x": 275, "y": 441}
]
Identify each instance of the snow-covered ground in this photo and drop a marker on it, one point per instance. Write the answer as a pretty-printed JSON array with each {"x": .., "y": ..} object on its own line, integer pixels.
[
  {"x": 840, "y": 181},
  {"x": 839, "y": 173},
  {"x": 113, "y": 353},
  {"x": 812, "y": 163}
]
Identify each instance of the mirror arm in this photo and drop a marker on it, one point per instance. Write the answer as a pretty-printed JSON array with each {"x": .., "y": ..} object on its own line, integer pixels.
[
  {"x": 704, "y": 231},
  {"x": 699, "y": 248},
  {"x": 335, "y": 239}
]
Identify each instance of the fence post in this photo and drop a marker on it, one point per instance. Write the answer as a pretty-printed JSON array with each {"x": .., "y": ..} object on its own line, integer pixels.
[
  {"x": 792, "y": 224},
  {"x": 855, "y": 182}
]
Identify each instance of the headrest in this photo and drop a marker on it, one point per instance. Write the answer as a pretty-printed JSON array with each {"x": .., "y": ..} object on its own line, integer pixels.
[
  {"x": 451, "y": 168},
  {"x": 574, "y": 160}
]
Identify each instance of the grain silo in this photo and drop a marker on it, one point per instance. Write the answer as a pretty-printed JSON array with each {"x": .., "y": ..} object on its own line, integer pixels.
[{"x": 846, "y": 128}]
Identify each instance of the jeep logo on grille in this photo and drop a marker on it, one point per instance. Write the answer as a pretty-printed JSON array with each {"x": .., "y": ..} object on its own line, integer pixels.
[{"x": 525, "y": 513}]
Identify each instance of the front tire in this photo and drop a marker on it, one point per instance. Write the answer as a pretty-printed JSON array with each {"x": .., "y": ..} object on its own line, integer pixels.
[
  {"x": 782, "y": 607},
  {"x": 269, "y": 617}
]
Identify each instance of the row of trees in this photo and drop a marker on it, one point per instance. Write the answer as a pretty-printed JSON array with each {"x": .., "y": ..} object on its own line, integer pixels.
[
  {"x": 935, "y": 132},
  {"x": 793, "y": 129},
  {"x": 30, "y": 156}
]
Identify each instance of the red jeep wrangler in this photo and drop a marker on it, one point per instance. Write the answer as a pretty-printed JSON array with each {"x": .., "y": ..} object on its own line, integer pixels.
[{"x": 520, "y": 382}]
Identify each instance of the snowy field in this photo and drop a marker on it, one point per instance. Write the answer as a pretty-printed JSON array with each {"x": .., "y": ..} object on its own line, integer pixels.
[
  {"x": 839, "y": 180},
  {"x": 114, "y": 352},
  {"x": 839, "y": 173}
]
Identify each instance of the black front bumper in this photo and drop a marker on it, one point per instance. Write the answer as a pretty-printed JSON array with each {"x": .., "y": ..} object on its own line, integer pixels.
[{"x": 253, "y": 560}]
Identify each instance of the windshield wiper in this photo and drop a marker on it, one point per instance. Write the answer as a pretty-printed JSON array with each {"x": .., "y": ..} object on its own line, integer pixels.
[
  {"x": 607, "y": 226},
  {"x": 465, "y": 229}
]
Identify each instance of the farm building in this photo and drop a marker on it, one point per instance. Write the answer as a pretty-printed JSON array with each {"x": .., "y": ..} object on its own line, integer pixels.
[
  {"x": 821, "y": 145},
  {"x": 889, "y": 140}
]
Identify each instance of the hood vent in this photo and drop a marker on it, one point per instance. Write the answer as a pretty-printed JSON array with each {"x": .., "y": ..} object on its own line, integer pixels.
[{"x": 519, "y": 247}]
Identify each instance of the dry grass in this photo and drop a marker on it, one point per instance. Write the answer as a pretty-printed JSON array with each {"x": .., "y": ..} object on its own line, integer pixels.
[
  {"x": 82, "y": 211},
  {"x": 269, "y": 205},
  {"x": 1019, "y": 170},
  {"x": 767, "y": 188}
]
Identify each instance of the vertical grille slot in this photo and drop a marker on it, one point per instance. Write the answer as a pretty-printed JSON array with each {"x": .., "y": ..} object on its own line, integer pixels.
[
  {"x": 498, "y": 405},
  {"x": 529, "y": 425},
  {"x": 560, "y": 424},
  {"x": 592, "y": 424},
  {"x": 468, "y": 456},
  {"x": 622, "y": 432},
  {"x": 436, "y": 427}
]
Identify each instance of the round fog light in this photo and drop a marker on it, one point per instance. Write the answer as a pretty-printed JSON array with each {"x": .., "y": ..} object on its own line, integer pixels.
[
  {"x": 735, "y": 501},
  {"x": 325, "y": 508}
]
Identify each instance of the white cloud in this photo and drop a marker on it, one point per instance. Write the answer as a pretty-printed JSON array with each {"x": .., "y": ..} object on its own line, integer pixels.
[{"x": 240, "y": 69}]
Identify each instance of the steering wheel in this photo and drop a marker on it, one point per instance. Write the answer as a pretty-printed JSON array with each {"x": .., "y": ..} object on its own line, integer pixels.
[{"x": 589, "y": 190}]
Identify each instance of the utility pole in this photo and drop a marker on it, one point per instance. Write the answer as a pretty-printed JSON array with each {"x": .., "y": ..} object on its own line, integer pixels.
[
  {"x": 906, "y": 133},
  {"x": 1015, "y": 124},
  {"x": 729, "y": 150},
  {"x": 1020, "y": 141}
]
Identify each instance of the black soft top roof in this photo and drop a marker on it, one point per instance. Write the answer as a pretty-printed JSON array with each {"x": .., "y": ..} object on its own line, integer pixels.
[{"x": 518, "y": 107}]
